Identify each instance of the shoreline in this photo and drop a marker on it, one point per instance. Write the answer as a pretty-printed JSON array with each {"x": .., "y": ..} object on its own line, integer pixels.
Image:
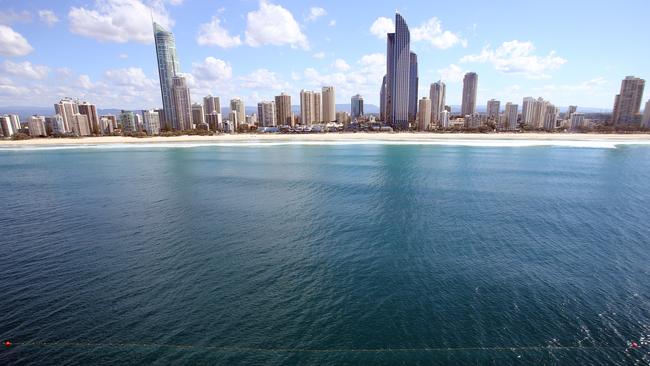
[{"x": 523, "y": 139}]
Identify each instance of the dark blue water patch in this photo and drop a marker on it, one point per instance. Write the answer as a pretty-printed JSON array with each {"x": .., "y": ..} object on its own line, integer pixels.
[{"x": 325, "y": 255}]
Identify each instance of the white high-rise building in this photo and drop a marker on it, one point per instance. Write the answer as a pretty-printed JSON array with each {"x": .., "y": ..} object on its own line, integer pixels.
[
  {"x": 36, "y": 125},
  {"x": 577, "y": 121},
  {"x": 329, "y": 104},
  {"x": 6, "y": 127},
  {"x": 437, "y": 96},
  {"x": 66, "y": 108},
  {"x": 233, "y": 118},
  {"x": 284, "y": 115},
  {"x": 151, "y": 122},
  {"x": 79, "y": 125},
  {"x": 551, "y": 114},
  {"x": 57, "y": 126},
  {"x": 645, "y": 121},
  {"x": 424, "y": 114},
  {"x": 237, "y": 105},
  {"x": 628, "y": 101},
  {"x": 310, "y": 107},
  {"x": 266, "y": 114},
  {"x": 181, "y": 100},
  {"x": 211, "y": 104},
  {"x": 198, "y": 115},
  {"x": 511, "y": 114},
  {"x": 470, "y": 89},
  {"x": 493, "y": 109},
  {"x": 444, "y": 119}
]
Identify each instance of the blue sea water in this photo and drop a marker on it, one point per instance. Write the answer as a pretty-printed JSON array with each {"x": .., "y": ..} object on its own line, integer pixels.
[{"x": 304, "y": 255}]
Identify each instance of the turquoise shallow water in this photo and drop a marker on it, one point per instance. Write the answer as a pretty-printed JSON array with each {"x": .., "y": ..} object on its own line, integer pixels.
[{"x": 372, "y": 254}]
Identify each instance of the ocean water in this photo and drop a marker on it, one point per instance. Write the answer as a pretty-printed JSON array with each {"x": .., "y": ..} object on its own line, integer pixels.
[{"x": 342, "y": 254}]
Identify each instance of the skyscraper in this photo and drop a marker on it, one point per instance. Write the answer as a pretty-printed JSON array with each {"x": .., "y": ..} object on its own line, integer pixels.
[
  {"x": 211, "y": 104},
  {"x": 266, "y": 114},
  {"x": 493, "y": 109},
  {"x": 577, "y": 121},
  {"x": 413, "y": 87},
  {"x": 437, "y": 96},
  {"x": 329, "y": 104},
  {"x": 66, "y": 108},
  {"x": 198, "y": 114},
  {"x": 382, "y": 100},
  {"x": 6, "y": 127},
  {"x": 168, "y": 67},
  {"x": 645, "y": 122},
  {"x": 571, "y": 110},
  {"x": 237, "y": 105},
  {"x": 356, "y": 106},
  {"x": 182, "y": 104},
  {"x": 318, "y": 108},
  {"x": 511, "y": 114},
  {"x": 79, "y": 125},
  {"x": 470, "y": 88},
  {"x": 284, "y": 116},
  {"x": 151, "y": 122},
  {"x": 90, "y": 110},
  {"x": 628, "y": 101},
  {"x": 307, "y": 112},
  {"x": 36, "y": 126},
  {"x": 398, "y": 75},
  {"x": 424, "y": 117},
  {"x": 551, "y": 113}
]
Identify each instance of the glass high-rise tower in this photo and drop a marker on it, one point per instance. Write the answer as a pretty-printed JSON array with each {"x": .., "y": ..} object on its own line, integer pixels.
[
  {"x": 168, "y": 67},
  {"x": 401, "y": 72}
]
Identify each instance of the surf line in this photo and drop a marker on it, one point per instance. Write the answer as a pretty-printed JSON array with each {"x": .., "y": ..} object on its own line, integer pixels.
[{"x": 311, "y": 350}]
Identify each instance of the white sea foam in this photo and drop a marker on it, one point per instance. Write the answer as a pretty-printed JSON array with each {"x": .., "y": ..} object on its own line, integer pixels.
[{"x": 501, "y": 143}]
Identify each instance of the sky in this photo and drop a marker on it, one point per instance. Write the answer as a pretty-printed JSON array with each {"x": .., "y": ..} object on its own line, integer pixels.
[{"x": 101, "y": 51}]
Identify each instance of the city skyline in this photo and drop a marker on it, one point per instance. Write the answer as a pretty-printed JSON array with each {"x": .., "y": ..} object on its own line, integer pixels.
[{"x": 333, "y": 49}]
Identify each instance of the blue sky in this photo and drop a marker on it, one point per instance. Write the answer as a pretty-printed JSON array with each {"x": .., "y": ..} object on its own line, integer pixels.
[{"x": 568, "y": 52}]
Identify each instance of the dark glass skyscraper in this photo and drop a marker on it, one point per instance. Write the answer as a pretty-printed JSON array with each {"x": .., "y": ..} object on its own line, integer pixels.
[
  {"x": 399, "y": 73},
  {"x": 168, "y": 67},
  {"x": 413, "y": 88}
]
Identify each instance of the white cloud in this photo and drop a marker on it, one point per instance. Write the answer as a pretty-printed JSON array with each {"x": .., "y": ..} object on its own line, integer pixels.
[
  {"x": 214, "y": 34},
  {"x": 381, "y": 26},
  {"x": 8, "y": 91},
  {"x": 315, "y": 13},
  {"x": 263, "y": 79},
  {"x": 363, "y": 77},
  {"x": 175, "y": 2},
  {"x": 25, "y": 69},
  {"x": 13, "y": 43},
  {"x": 130, "y": 76},
  {"x": 516, "y": 57},
  {"x": 118, "y": 20},
  {"x": 452, "y": 73},
  {"x": 48, "y": 17},
  {"x": 341, "y": 65},
  {"x": 319, "y": 55},
  {"x": 431, "y": 31},
  {"x": 332, "y": 23},
  {"x": 272, "y": 24},
  {"x": 124, "y": 56},
  {"x": 84, "y": 82},
  {"x": 11, "y": 16},
  {"x": 212, "y": 69}
]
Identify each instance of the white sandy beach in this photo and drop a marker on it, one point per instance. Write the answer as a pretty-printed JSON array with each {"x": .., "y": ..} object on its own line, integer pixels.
[{"x": 500, "y": 139}]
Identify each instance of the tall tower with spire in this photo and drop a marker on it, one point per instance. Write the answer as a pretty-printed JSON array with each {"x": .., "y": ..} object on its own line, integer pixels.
[
  {"x": 168, "y": 67},
  {"x": 401, "y": 72}
]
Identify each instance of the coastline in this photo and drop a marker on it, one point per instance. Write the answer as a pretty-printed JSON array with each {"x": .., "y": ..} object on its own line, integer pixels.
[{"x": 331, "y": 137}]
